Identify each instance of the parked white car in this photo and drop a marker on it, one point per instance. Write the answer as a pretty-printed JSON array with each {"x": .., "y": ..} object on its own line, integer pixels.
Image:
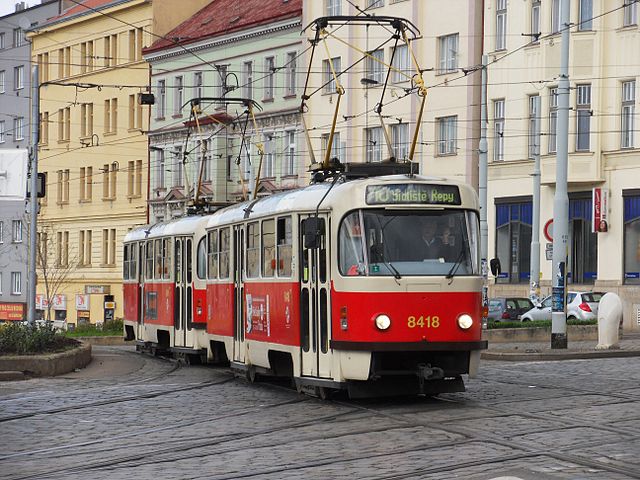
[{"x": 580, "y": 306}]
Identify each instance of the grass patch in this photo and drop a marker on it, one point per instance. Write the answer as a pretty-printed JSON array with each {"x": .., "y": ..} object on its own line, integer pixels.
[
  {"x": 535, "y": 324},
  {"x": 19, "y": 339},
  {"x": 106, "y": 329}
]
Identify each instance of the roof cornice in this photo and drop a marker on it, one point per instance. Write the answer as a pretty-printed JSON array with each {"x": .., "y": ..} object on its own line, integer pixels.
[
  {"x": 87, "y": 12},
  {"x": 213, "y": 42}
]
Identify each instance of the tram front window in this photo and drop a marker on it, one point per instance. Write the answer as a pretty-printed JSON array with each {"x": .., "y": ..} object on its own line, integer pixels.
[{"x": 397, "y": 243}]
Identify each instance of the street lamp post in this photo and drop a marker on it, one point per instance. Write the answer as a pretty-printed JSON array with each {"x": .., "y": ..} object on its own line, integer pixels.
[{"x": 35, "y": 137}]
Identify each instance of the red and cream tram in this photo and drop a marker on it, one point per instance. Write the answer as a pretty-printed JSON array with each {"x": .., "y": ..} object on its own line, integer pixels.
[{"x": 371, "y": 285}]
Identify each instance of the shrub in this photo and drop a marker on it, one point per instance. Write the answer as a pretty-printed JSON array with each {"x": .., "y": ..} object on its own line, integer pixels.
[
  {"x": 112, "y": 327},
  {"x": 19, "y": 339}
]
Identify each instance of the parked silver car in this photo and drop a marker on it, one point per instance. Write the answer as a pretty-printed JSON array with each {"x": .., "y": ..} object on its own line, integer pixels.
[{"x": 580, "y": 306}]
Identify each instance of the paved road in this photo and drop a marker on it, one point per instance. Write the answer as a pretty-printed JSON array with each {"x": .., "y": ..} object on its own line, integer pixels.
[{"x": 132, "y": 417}]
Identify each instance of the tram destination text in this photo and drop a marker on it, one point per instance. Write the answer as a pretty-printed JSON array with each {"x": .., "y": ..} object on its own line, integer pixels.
[{"x": 413, "y": 193}]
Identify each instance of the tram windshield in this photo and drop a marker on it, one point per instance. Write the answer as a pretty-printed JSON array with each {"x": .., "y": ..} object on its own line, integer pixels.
[{"x": 379, "y": 242}]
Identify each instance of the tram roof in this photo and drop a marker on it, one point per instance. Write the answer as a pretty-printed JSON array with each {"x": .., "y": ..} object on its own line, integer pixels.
[{"x": 179, "y": 226}]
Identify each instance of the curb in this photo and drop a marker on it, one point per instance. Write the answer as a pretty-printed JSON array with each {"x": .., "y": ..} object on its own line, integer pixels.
[
  {"x": 103, "y": 340},
  {"x": 48, "y": 365},
  {"x": 537, "y": 356}
]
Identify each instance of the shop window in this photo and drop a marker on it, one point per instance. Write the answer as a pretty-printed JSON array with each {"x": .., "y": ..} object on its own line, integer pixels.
[
  {"x": 632, "y": 237},
  {"x": 583, "y": 243},
  {"x": 513, "y": 239}
]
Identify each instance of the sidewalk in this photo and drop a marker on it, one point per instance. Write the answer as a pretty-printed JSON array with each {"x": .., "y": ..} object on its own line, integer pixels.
[{"x": 629, "y": 346}]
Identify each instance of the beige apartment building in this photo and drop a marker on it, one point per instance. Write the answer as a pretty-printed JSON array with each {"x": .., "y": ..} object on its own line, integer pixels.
[
  {"x": 522, "y": 41},
  {"x": 447, "y": 47},
  {"x": 93, "y": 148}
]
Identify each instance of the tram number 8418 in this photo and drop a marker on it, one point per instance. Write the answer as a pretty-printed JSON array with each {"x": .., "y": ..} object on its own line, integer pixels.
[{"x": 423, "y": 322}]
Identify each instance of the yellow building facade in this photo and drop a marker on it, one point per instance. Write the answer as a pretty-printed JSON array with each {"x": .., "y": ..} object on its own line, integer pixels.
[{"x": 94, "y": 149}]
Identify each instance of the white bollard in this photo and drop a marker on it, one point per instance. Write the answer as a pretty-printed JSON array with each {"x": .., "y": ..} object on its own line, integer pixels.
[{"x": 609, "y": 316}]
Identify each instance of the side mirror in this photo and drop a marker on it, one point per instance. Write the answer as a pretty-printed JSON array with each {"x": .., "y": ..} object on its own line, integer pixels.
[
  {"x": 312, "y": 229},
  {"x": 494, "y": 264}
]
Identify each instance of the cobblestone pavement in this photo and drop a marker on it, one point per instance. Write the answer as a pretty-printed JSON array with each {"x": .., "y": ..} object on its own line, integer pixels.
[{"x": 129, "y": 416}]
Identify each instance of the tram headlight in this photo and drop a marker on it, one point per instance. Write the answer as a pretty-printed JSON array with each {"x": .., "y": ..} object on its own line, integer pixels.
[
  {"x": 465, "y": 321},
  {"x": 383, "y": 322}
]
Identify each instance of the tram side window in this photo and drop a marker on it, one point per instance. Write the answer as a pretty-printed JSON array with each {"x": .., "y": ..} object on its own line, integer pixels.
[
  {"x": 212, "y": 254},
  {"x": 149, "y": 260},
  {"x": 166, "y": 258},
  {"x": 351, "y": 252},
  {"x": 253, "y": 250},
  {"x": 158, "y": 271},
  {"x": 201, "y": 267},
  {"x": 285, "y": 239},
  {"x": 125, "y": 263},
  {"x": 268, "y": 248},
  {"x": 223, "y": 256},
  {"x": 133, "y": 261}
]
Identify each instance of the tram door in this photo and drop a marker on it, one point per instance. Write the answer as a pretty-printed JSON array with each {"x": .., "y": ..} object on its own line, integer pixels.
[
  {"x": 140, "y": 278},
  {"x": 315, "y": 321},
  {"x": 239, "y": 300},
  {"x": 183, "y": 298}
]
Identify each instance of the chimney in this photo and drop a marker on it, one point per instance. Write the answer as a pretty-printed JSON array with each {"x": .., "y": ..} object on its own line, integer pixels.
[{"x": 20, "y": 6}]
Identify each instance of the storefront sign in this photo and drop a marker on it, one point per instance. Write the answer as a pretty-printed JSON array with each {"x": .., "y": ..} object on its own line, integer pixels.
[
  {"x": 12, "y": 311},
  {"x": 59, "y": 302},
  {"x": 97, "y": 289},
  {"x": 83, "y": 314},
  {"x": 42, "y": 303},
  {"x": 83, "y": 302},
  {"x": 599, "y": 210},
  {"x": 109, "y": 304}
]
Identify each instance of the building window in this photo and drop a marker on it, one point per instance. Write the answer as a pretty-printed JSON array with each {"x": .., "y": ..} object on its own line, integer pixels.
[
  {"x": 247, "y": 79},
  {"x": 556, "y": 15},
  {"x": 2, "y": 81},
  {"x": 373, "y": 142},
  {"x": 109, "y": 181},
  {"x": 534, "y": 125},
  {"x": 160, "y": 169},
  {"x": 586, "y": 15},
  {"x": 162, "y": 100},
  {"x": 3, "y": 43},
  {"x": 401, "y": 65},
  {"x": 18, "y": 77},
  {"x": 583, "y": 244},
  {"x": 86, "y": 184},
  {"x": 513, "y": 240},
  {"x": 177, "y": 167},
  {"x": 44, "y": 128},
  {"x": 291, "y": 66},
  {"x": 332, "y": 7},
  {"x": 64, "y": 124},
  {"x": 630, "y": 12},
  {"x": 62, "y": 249},
  {"x": 628, "y": 113},
  {"x": 375, "y": 3},
  {"x": 135, "y": 113},
  {"x": 86, "y": 57},
  {"x": 268, "y": 78},
  {"x": 553, "y": 119},
  {"x": 583, "y": 117},
  {"x": 400, "y": 140},
  {"x": 64, "y": 62},
  {"x": 222, "y": 79},
  {"x": 16, "y": 283},
  {"x": 18, "y": 37},
  {"x": 84, "y": 247},
  {"x": 43, "y": 67},
  {"x": 448, "y": 46},
  {"x": 375, "y": 67},
  {"x": 498, "y": 123},
  {"x": 178, "y": 96},
  {"x": 135, "y": 44},
  {"x": 109, "y": 246},
  {"x": 2, "y": 131},
  {"x": 337, "y": 149},
  {"x": 63, "y": 186},
  {"x": 328, "y": 79},
  {"x": 111, "y": 116},
  {"x": 290, "y": 161},
  {"x": 268, "y": 156},
  {"x": 17, "y": 231},
  {"x": 18, "y": 128},
  {"x": 501, "y": 24},
  {"x": 86, "y": 119},
  {"x": 197, "y": 85},
  {"x": 447, "y": 135},
  {"x": 535, "y": 19},
  {"x": 631, "y": 200},
  {"x": 1, "y": 232}
]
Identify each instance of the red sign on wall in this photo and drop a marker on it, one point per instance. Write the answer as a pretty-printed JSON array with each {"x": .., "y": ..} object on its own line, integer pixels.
[
  {"x": 599, "y": 210},
  {"x": 12, "y": 311}
]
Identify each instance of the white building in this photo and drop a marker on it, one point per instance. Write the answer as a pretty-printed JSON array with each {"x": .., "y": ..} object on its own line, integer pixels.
[{"x": 522, "y": 41}]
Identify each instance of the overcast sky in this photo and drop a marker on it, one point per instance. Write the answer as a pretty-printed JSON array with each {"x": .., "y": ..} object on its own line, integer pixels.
[{"x": 9, "y": 6}]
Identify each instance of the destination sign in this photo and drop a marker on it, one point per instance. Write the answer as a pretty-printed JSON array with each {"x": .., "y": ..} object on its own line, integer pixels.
[{"x": 413, "y": 193}]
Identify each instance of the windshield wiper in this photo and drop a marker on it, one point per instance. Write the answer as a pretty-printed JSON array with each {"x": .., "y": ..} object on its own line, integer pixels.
[
  {"x": 393, "y": 269},
  {"x": 455, "y": 266}
]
